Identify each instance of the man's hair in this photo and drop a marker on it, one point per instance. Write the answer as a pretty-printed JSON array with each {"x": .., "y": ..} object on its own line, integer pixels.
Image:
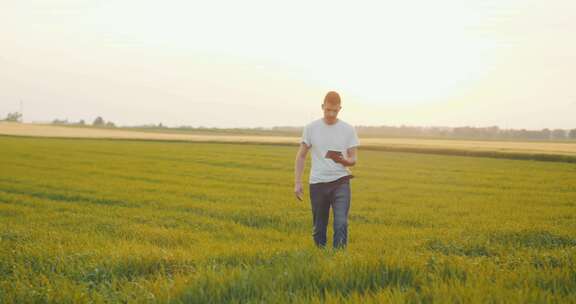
[{"x": 332, "y": 98}]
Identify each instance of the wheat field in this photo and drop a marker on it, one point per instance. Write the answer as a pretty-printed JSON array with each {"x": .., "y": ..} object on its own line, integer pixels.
[
  {"x": 542, "y": 150},
  {"x": 107, "y": 221}
]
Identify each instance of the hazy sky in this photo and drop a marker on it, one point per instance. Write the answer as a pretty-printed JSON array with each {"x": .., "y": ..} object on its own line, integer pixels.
[{"x": 264, "y": 63}]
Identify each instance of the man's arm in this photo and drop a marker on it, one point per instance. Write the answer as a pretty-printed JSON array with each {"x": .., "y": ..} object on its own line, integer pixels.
[{"x": 299, "y": 169}]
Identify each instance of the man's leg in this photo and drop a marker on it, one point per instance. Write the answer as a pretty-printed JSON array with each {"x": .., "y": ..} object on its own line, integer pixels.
[
  {"x": 320, "y": 213},
  {"x": 341, "y": 205}
]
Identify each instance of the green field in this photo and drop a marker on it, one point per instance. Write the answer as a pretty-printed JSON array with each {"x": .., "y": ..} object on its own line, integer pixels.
[{"x": 145, "y": 221}]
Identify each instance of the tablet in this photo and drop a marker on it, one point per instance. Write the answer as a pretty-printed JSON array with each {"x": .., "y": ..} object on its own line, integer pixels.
[{"x": 332, "y": 153}]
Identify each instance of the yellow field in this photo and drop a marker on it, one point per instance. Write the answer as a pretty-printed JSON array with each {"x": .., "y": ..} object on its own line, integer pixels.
[{"x": 397, "y": 144}]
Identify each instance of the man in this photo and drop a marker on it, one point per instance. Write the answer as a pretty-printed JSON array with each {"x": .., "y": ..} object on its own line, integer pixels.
[{"x": 329, "y": 176}]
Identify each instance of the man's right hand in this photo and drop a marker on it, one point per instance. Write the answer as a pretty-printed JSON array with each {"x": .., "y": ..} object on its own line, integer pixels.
[{"x": 298, "y": 191}]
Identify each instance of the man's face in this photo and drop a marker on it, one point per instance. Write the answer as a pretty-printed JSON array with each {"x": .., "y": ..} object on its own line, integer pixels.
[{"x": 331, "y": 110}]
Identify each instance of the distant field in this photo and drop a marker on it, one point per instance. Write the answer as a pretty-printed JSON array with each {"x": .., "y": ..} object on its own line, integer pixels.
[
  {"x": 551, "y": 151},
  {"x": 85, "y": 220}
]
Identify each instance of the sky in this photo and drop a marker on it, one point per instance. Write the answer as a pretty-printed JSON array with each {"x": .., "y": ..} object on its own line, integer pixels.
[{"x": 509, "y": 63}]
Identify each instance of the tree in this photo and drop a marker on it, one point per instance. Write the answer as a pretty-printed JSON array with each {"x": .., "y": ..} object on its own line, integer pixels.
[
  {"x": 60, "y": 121},
  {"x": 572, "y": 134},
  {"x": 99, "y": 121},
  {"x": 558, "y": 134},
  {"x": 546, "y": 133},
  {"x": 81, "y": 122},
  {"x": 110, "y": 124},
  {"x": 16, "y": 116}
]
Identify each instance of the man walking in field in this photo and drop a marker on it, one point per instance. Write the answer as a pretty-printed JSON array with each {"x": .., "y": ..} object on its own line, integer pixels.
[{"x": 332, "y": 143}]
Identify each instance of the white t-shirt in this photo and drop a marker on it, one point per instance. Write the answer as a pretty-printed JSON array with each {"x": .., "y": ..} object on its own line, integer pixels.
[{"x": 322, "y": 137}]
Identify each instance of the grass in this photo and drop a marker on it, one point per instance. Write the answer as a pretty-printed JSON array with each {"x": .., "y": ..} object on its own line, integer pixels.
[{"x": 134, "y": 221}]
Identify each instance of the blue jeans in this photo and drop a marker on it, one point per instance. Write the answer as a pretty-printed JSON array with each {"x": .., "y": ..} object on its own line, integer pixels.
[{"x": 322, "y": 196}]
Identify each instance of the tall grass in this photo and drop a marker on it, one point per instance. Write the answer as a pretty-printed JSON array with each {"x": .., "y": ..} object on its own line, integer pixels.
[{"x": 132, "y": 221}]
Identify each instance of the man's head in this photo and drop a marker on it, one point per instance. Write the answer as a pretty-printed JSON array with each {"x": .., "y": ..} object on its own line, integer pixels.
[{"x": 331, "y": 106}]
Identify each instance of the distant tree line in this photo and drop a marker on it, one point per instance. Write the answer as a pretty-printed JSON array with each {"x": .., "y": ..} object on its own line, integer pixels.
[
  {"x": 13, "y": 116},
  {"x": 483, "y": 133},
  {"x": 98, "y": 122},
  {"x": 466, "y": 132}
]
